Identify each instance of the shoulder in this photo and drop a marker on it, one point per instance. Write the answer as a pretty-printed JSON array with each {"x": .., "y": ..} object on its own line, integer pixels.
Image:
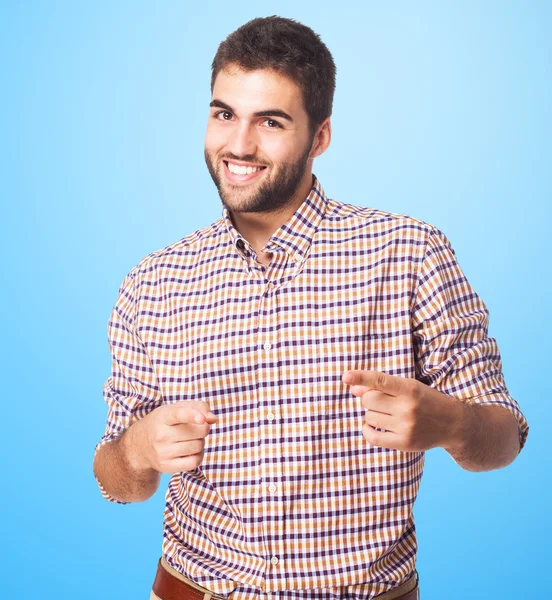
[
  {"x": 178, "y": 253},
  {"x": 374, "y": 222}
]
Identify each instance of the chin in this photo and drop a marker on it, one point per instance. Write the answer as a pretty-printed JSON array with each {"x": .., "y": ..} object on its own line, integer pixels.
[
  {"x": 238, "y": 205},
  {"x": 239, "y": 198}
]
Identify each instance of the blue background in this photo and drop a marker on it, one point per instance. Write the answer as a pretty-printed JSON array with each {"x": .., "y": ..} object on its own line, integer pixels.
[{"x": 442, "y": 111}]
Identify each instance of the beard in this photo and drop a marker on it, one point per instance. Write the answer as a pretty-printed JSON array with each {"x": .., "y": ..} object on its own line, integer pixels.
[{"x": 272, "y": 195}]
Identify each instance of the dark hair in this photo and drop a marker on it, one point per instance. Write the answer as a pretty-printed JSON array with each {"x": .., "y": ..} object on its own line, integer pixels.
[{"x": 289, "y": 48}]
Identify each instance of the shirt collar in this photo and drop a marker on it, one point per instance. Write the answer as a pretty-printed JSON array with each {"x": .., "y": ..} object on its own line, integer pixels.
[{"x": 296, "y": 235}]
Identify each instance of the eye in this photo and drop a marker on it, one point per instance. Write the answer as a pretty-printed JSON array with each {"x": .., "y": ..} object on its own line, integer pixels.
[
  {"x": 223, "y": 115},
  {"x": 272, "y": 124}
]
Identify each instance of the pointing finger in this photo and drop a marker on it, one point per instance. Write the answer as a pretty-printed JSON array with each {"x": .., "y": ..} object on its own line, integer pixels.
[
  {"x": 184, "y": 412},
  {"x": 374, "y": 380}
]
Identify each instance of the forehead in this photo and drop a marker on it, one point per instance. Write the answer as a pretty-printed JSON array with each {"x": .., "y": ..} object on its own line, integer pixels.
[{"x": 261, "y": 89}]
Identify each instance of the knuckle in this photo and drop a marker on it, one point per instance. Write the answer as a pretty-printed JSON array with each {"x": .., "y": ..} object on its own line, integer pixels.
[
  {"x": 410, "y": 407},
  {"x": 156, "y": 436},
  {"x": 371, "y": 419},
  {"x": 413, "y": 390},
  {"x": 409, "y": 413},
  {"x": 369, "y": 434},
  {"x": 381, "y": 380}
]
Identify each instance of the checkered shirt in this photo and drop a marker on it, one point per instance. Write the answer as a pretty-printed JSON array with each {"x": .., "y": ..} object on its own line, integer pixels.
[{"x": 290, "y": 500}]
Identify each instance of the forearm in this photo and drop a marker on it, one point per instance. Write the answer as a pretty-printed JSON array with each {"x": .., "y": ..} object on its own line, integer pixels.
[
  {"x": 486, "y": 437},
  {"x": 116, "y": 468}
]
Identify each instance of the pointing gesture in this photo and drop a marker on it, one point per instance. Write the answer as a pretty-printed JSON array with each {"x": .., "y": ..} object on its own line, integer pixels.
[
  {"x": 171, "y": 438},
  {"x": 414, "y": 416}
]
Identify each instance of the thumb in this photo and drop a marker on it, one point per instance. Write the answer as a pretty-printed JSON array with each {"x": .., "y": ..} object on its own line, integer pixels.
[
  {"x": 359, "y": 390},
  {"x": 374, "y": 380}
]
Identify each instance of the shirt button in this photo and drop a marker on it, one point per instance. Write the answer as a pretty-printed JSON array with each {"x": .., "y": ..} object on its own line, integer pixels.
[
  {"x": 274, "y": 560},
  {"x": 272, "y": 488},
  {"x": 270, "y": 416},
  {"x": 267, "y": 346}
]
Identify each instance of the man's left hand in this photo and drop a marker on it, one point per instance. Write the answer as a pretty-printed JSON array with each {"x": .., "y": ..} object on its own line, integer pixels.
[{"x": 415, "y": 417}]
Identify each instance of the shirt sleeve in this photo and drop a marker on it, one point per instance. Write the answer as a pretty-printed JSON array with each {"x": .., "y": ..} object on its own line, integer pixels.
[
  {"x": 450, "y": 327},
  {"x": 132, "y": 390}
]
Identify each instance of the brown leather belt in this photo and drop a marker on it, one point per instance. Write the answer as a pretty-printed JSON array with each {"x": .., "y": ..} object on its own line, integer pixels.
[{"x": 169, "y": 587}]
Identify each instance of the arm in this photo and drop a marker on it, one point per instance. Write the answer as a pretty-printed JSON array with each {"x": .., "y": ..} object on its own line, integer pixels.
[
  {"x": 143, "y": 436},
  {"x": 459, "y": 400},
  {"x": 455, "y": 355}
]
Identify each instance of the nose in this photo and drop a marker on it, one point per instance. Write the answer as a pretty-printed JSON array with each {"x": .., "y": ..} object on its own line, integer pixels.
[{"x": 243, "y": 140}]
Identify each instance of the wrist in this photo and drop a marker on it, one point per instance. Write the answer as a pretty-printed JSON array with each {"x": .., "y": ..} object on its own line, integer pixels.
[
  {"x": 132, "y": 447},
  {"x": 457, "y": 425}
]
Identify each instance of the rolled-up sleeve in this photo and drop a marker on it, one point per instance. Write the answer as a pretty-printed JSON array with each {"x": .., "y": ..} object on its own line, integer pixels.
[
  {"x": 454, "y": 353},
  {"x": 132, "y": 390}
]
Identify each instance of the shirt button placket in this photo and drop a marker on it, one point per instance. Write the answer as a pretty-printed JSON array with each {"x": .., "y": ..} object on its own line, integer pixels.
[{"x": 269, "y": 406}]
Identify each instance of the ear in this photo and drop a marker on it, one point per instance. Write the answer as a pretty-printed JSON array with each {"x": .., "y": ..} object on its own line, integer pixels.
[{"x": 322, "y": 138}]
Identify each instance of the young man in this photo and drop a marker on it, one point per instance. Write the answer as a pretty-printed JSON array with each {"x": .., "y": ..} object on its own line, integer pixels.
[{"x": 291, "y": 363}]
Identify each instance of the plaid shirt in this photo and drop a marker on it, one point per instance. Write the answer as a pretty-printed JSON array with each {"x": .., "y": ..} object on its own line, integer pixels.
[{"x": 289, "y": 495}]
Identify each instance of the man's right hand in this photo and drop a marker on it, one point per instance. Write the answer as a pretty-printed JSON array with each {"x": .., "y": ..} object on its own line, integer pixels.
[{"x": 171, "y": 438}]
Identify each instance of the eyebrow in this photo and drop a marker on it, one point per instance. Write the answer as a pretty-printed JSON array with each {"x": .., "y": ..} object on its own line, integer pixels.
[{"x": 271, "y": 112}]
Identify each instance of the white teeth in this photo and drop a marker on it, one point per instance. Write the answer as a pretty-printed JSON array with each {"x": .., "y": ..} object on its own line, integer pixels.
[{"x": 242, "y": 169}]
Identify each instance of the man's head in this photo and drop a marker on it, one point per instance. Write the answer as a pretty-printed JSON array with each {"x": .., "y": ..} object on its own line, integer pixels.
[
  {"x": 272, "y": 90},
  {"x": 289, "y": 48}
]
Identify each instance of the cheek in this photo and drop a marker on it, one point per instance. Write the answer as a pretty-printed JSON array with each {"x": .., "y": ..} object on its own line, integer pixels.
[
  {"x": 280, "y": 151},
  {"x": 214, "y": 139}
]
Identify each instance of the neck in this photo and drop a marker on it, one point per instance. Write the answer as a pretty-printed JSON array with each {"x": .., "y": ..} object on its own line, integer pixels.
[{"x": 257, "y": 228}]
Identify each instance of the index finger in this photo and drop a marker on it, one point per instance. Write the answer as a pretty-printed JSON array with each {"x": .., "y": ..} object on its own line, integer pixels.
[
  {"x": 374, "y": 380},
  {"x": 198, "y": 414}
]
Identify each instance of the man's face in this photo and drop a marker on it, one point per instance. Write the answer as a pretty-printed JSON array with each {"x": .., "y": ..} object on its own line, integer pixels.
[{"x": 258, "y": 140}]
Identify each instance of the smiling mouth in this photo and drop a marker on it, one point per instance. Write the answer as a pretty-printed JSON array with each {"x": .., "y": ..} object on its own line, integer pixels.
[{"x": 241, "y": 173}]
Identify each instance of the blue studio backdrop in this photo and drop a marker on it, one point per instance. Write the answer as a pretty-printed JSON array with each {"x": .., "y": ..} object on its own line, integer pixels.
[{"x": 442, "y": 112}]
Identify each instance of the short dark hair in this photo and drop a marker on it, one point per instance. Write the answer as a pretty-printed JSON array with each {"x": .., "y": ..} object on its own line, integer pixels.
[{"x": 287, "y": 47}]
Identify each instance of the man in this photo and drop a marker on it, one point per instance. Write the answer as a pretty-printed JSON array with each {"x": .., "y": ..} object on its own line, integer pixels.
[{"x": 291, "y": 363}]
